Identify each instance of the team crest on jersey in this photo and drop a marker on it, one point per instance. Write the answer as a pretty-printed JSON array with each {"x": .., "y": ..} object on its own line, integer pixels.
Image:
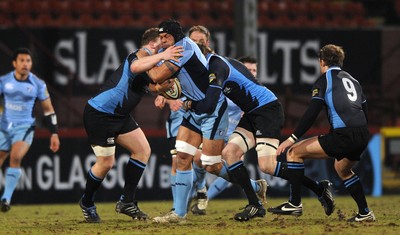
[{"x": 315, "y": 92}]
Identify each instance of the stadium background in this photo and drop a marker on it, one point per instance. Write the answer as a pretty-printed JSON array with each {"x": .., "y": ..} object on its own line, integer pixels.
[{"x": 77, "y": 43}]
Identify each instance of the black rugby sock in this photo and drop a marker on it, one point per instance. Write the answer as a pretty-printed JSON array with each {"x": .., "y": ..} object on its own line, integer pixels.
[
  {"x": 295, "y": 174},
  {"x": 354, "y": 187},
  {"x": 282, "y": 172},
  {"x": 92, "y": 185},
  {"x": 133, "y": 172},
  {"x": 241, "y": 176}
]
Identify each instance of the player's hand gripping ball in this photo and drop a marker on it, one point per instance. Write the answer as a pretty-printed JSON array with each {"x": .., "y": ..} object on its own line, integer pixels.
[{"x": 174, "y": 92}]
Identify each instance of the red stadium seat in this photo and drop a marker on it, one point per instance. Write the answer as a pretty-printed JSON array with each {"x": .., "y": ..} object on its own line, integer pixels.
[
  {"x": 61, "y": 6},
  {"x": 82, "y": 6},
  {"x": 143, "y": 7},
  {"x": 41, "y": 7},
  {"x": 66, "y": 20},
  {"x": 43, "y": 20},
  {"x": 126, "y": 20},
  {"x": 146, "y": 21},
  {"x": 24, "y": 20},
  {"x": 187, "y": 20},
  {"x": 354, "y": 8},
  {"x": 21, "y": 7},
  {"x": 5, "y": 20},
  {"x": 207, "y": 21},
  {"x": 122, "y": 6},
  {"x": 85, "y": 20},
  {"x": 101, "y": 7},
  {"x": 163, "y": 7}
]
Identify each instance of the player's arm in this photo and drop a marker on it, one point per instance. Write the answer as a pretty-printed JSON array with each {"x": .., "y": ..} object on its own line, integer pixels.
[
  {"x": 157, "y": 88},
  {"x": 309, "y": 117},
  {"x": 218, "y": 73},
  {"x": 162, "y": 72},
  {"x": 209, "y": 103},
  {"x": 51, "y": 123},
  {"x": 146, "y": 62}
]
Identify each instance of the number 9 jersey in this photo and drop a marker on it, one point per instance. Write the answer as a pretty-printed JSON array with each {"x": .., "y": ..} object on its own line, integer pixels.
[{"x": 343, "y": 97}]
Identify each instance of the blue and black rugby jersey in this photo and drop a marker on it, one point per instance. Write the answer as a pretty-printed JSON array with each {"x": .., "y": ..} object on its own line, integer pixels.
[
  {"x": 238, "y": 84},
  {"x": 122, "y": 91},
  {"x": 193, "y": 72},
  {"x": 343, "y": 98}
]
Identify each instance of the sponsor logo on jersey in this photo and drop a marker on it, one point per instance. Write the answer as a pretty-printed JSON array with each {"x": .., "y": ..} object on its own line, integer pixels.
[
  {"x": 227, "y": 90},
  {"x": 315, "y": 92},
  {"x": 110, "y": 140}
]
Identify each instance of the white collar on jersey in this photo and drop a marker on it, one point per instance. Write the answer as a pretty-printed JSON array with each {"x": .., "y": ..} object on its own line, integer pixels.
[{"x": 147, "y": 50}]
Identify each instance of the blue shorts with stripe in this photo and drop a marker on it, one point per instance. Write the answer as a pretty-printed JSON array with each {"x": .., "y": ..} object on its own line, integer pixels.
[
  {"x": 14, "y": 133},
  {"x": 211, "y": 126}
]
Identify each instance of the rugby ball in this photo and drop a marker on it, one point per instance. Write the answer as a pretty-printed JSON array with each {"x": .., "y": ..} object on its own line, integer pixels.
[{"x": 174, "y": 92}]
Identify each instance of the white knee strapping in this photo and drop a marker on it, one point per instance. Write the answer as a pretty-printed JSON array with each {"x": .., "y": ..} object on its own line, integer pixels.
[
  {"x": 101, "y": 151},
  {"x": 241, "y": 140},
  {"x": 265, "y": 148},
  {"x": 210, "y": 160},
  {"x": 183, "y": 147}
]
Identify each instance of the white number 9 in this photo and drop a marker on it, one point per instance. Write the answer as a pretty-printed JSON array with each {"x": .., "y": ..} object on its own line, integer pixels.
[{"x": 350, "y": 88}]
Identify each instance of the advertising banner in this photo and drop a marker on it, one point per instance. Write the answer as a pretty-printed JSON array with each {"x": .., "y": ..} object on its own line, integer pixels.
[
  {"x": 61, "y": 177},
  {"x": 77, "y": 61}
]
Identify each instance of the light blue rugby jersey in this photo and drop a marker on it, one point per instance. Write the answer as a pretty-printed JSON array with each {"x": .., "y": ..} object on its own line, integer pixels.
[
  {"x": 238, "y": 84},
  {"x": 19, "y": 98},
  {"x": 193, "y": 73}
]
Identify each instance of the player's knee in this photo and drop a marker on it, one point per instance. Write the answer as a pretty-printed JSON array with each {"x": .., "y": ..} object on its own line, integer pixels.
[
  {"x": 343, "y": 172},
  {"x": 183, "y": 147},
  {"x": 266, "y": 153},
  {"x": 229, "y": 154},
  {"x": 292, "y": 156},
  {"x": 146, "y": 153},
  {"x": 207, "y": 160},
  {"x": 267, "y": 165},
  {"x": 241, "y": 140},
  {"x": 106, "y": 163}
]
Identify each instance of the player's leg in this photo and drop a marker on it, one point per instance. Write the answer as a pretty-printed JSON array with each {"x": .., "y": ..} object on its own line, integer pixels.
[
  {"x": 99, "y": 128},
  {"x": 199, "y": 190},
  {"x": 22, "y": 137},
  {"x": 293, "y": 170},
  {"x": 239, "y": 143},
  {"x": 187, "y": 143},
  {"x": 135, "y": 142},
  {"x": 353, "y": 185}
]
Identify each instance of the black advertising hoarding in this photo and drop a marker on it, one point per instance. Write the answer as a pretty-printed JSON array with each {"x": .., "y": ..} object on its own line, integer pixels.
[
  {"x": 79, "y": 60},
  {"x": 61, "y": 178}
]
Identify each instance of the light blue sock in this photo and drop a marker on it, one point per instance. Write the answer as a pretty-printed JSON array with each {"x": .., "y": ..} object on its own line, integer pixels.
[
  {"x": 184, "y": 183},
  {"x": 200, "y": 173},
  {"x": 254, "y": 185},
  {"x": 216, "y": 187},
  {"x": 12, "y": 178},
  {"x": 224, "y": 171},
  {"x": 173, "y": 189}
]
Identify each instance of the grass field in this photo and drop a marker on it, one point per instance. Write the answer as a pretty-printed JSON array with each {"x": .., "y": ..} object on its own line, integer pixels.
[{"x": 68, "y": 219}]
